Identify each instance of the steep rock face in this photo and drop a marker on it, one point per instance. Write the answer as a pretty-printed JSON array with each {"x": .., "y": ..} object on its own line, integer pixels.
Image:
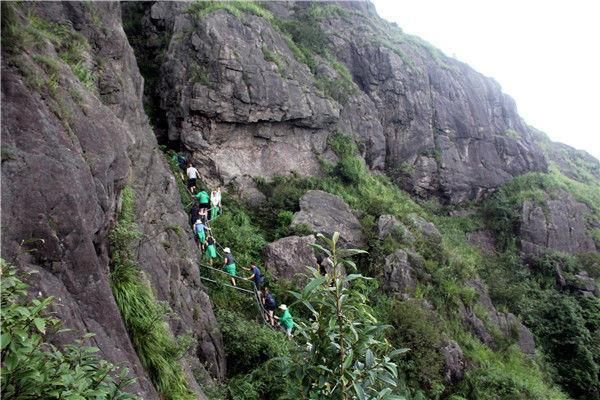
[
  {"x": 507, "y": 324},
  {"x": 223, "y": 95},
  {"x": 435, "y": 125},
  {"x": 69, "y": 158},
  {"x": 326, "y": 213},
  {"x": 560, "y": 224},
  {"x": 287, "y": 258}
]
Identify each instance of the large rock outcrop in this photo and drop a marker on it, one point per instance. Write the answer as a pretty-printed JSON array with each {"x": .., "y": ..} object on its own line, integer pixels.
[
  {"x": 289, "y": 257},
  {"x": 559, "y": 224},
  {"x": 235, "y": 82},
  {"x": 70, "y": 150},
  {"x": 326, "y": 213},
  {"x": 506, "y": 324}
]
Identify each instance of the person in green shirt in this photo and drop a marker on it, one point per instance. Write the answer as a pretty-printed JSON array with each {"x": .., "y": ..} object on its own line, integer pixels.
[
  {"x": 286, "y": 320},
  {"x": 229, "y": 265},
  {"x": 203, "y": 199}
]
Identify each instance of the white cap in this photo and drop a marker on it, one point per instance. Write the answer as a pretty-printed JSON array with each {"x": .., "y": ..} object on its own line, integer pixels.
[
  {"x": 283, "y": 307},
  {"x": 227, "y": 250}
]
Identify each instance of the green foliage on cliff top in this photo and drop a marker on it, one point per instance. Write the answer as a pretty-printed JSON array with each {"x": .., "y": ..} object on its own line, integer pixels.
[
  {"x": 32, "y": 368},
  {"x": 142, "y": 314},
  {"x": 200, "y": 9},
  {"x": 503, "y": 209}
]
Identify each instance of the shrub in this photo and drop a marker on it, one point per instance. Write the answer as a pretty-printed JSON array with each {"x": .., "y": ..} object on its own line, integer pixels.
[
  {"x": 248, "y": 344},
  {"x": 234, "y": 229},
  {"x": 32, "y": 368},
  {"x": 342, "y": 352},
  {"x": 419, "y": 330}
]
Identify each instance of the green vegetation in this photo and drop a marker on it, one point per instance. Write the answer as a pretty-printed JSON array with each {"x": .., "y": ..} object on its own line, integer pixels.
[
  {"x": 199, "y": 74},
  {"x": 32, "y": 368},
  {"x": 273, "y": 57},
  {"x": 503, "y": 209},
  {"x": 344, "y": 353},
  {"x": 511, "y": 133},
  {"x": 184, "y": 194},
  {"x": 142, "y": 314},
  {"x": 200, "y": 9},
  {"x": 565, "y": 323}
]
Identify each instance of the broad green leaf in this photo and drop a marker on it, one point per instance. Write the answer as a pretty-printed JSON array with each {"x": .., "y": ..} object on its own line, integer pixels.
[
  {"x": 359, "y": 391},
  {"x": 5, "y": 340},
  {"x": 40, "y": 324}
]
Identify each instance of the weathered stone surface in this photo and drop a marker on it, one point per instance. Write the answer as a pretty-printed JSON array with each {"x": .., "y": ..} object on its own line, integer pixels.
[
  {"x": 61, "y": 189},
  {"x": 558, "y": 225},
  {"x": 398, "y": 274},
  {"x": 388, "y": 225},
  {"x": 585, "y": 284},
  {"x": 287, "y": 258},
  {"x": 454, "y": 361},
  {"x": 326, "y": 213},
  {"x": 443, "y": 120},
  {"x": 506, "y": 323},
  {"x": 427, "y": 229},
  {"x": 457, "y": 135},
  {"x": 484, "y": 240}
]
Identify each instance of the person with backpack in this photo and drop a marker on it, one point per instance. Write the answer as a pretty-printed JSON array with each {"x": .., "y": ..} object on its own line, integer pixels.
[
  {"x": 270, "y": 304},
  {"x": 199, "y": 230},
  {"x": 192, "y": 174},
  {"x": 286, "y": 321},
  {"x": 229, "y": 265},
  {"x": 211, "y": 250},
  {"x": 203, "y": 199}
]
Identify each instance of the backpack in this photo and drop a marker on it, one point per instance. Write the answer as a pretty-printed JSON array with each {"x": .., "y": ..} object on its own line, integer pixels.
[{"x": 270, "y": 301}]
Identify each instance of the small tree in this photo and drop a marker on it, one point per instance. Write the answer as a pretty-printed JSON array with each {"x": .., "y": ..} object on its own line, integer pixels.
[
  {"x": 33, "y": 368},
  {"x": 343, "y": 353}
]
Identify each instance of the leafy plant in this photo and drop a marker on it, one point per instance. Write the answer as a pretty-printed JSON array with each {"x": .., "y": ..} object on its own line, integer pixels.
[
  {"x": 346, "y": 355},
  {"x": 32, "y": 368}
]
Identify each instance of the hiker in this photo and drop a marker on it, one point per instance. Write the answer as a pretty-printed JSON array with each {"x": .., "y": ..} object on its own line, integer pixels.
[
  {"x": 181, "y": 161},
  {"x": 211, "y": 250},
  {"x": 215, "y": 203},
  {"x": 286, "y": 320},
  {"x": 270, "y": 304},
  {"x": 229, "y": 264},
  {"x": 199, "y": 228},
  {"x": 256, "y": 276},
  {"x": 203, "y": 215},
  {"x": 192, "y": 174},
  {"x": 194, "y": 213},
  {"x": 203, "y": 199}
]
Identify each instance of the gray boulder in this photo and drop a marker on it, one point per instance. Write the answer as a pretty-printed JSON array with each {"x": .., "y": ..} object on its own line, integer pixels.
[
  {"x": 584, "y": 284},
  {"x": 388, "y": 225},
  {"x": 287, "y": 258},
  {"x": 425, "y": 228},
  {"x": 454, "y": 361},
  {"x": 484, "y": 240},
  {"x": 506, "y": 323},
  {"x": 326, "y": 213},
  {"x": 398, "y": 274},
  {"x": 560, "y": 225}
]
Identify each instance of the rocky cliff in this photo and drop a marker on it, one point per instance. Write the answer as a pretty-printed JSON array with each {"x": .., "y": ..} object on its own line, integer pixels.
[
  {"x": 253, "y": 92},
  {"x": 276, "y": 85},
  {"x": 70, "y": 144}
]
